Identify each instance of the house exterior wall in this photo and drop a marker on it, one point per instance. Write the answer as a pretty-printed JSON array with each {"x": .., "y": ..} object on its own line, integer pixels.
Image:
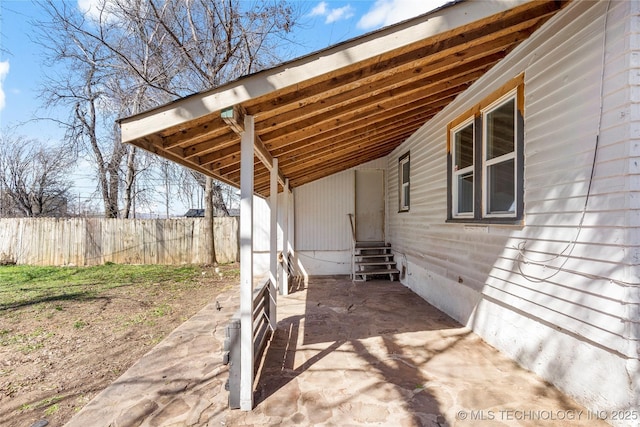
[
  {"x": 323, "y": 234},
  {"x": 262, "y": 228},
  {"x": 566, "y": 306}
]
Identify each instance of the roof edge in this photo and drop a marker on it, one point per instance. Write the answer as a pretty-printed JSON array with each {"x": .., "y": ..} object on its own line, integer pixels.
[{"x": 445, "y": 18}]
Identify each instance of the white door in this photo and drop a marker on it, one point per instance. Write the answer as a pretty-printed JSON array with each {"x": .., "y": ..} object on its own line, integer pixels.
[{"x": 370, "y": 205}]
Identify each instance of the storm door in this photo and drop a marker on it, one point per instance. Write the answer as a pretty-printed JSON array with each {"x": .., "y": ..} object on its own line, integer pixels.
[{"x": 370, "y": 205}]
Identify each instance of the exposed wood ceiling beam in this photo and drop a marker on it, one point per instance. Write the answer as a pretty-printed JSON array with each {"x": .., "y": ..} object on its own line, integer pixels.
[
  {"x": 234, "y": 117},
  {"x": 344, "y": 106}
]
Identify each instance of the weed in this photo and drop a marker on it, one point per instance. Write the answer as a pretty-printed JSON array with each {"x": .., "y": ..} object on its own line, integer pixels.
[
  {"x": 6, "y": 338},
  {"x": 79, "y": 324},
  {"x": 155, "y": 339},
  {"x": 26, "y": 343},
  {"x": 52, "y": 409},
  {"x": 48, "y": 403},
  {"x": 138, "y": 319},
  {"x": 161, "y": 310}
]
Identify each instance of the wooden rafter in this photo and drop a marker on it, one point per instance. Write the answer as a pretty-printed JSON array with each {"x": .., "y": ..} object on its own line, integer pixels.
[{"x": 359, "y": 111}]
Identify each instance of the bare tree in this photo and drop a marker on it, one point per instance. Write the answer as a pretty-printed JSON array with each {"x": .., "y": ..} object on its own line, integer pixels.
[
  {"x": 126, "y": 56},
  {"x": 83, "y": 89},
  {"x": 35, "y": 178}
]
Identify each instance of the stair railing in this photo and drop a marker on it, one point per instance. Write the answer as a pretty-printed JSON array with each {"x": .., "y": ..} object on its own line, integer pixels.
[{"x": 353, "y": 245}]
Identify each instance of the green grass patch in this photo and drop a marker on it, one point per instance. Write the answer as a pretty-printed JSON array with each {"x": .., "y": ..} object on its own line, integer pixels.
[
  {"x": 25, "y": 343},
  {"x": 49, "y": 403},
  {"x": 147, "y": 317},
  {"x": 22, "y": 285},
  {"x": 161, "y": 310},
  {"x": 52, "y": 409},
  {"x": 79, "y": 324}
]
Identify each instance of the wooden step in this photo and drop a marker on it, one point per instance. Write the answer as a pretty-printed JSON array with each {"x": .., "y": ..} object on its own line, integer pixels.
[
  {"x": 377, "y": 244},
  {"x": 376, "y": 263},
  {"x": 373, "y": 259},
  {"x": 380, "y": 271},
  {"x": 374, "y": 255},
  {"x": 361, "y": 276}
]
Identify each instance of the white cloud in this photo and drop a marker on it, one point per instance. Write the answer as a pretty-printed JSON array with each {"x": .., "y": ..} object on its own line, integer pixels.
[
  {"x": 89, "y": 7},
  {"x": 332, "y": 15},
  {"x": 4, "y": 70},
  {"x": 319, "y": 10},
  {"x": 387, "y": 12},
  {"x": 97, "y": 10}
]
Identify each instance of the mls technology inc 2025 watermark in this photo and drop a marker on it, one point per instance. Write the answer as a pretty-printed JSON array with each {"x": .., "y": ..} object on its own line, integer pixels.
[{"x": 544, "y": 415}]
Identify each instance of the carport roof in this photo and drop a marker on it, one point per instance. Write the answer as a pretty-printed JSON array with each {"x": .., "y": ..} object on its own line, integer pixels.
[{"x": 343, "y": 106}]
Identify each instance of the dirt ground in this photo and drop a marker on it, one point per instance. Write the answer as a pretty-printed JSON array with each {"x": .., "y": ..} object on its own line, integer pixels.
[{"x": 66, "y": 352}]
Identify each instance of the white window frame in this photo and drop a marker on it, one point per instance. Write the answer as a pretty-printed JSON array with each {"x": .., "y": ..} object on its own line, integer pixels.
[
  {"x": 403, "y": 203},
  {"x": 486, "y": 164},
  {"x": 455, "y": 173}
]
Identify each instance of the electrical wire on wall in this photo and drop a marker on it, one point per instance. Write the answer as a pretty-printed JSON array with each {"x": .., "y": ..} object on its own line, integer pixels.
[
  {"x": 302, "y": 254},
  {"x": 522, "y": 258}
]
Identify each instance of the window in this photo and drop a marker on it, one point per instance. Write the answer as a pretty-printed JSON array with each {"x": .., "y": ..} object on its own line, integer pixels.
[
  {"x": 403, "y": 183},
  {"x": 463, "y": 170},
  {"x": 486, "y": 161},
  {"x": 499, "y": 169}
]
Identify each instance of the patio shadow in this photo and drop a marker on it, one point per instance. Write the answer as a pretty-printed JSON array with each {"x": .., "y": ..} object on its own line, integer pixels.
[{"x": 352, "y": 347}]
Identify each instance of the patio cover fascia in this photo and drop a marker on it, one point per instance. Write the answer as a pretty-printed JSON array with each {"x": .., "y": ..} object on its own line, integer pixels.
[{"x": 342, "y": 106}]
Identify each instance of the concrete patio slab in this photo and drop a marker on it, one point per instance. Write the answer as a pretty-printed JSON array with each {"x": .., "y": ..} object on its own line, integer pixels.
[{"x": 344, "y": 354}]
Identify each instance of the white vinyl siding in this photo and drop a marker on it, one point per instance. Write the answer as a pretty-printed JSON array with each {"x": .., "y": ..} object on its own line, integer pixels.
[
  {"x": 323, "y": 237},
  {"x": 560, "y": 135},
  {"x": 559, "y": 283},
  {"x": 323, "y": 225}
]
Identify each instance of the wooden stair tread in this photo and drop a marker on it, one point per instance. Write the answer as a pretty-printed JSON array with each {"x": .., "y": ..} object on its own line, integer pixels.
[
  {"x": 373, "y": 259},
  {"x": 383, "y": 271},
  {"x": 375, "y": 263}
]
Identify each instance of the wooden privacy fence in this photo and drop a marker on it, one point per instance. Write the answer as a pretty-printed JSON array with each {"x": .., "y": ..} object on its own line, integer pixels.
[{"x": 91, "y": 241}]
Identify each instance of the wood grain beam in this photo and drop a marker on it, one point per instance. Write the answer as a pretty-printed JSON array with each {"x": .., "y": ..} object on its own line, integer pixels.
[
  {"x": 195, "y": 132},
  {"x": 234, "y": 117},
  {"x": 418, "y": 78},
  {"x": 450, "y": 44},
  {"x": 353, "y": 120},
  {"x": 409, "y": 119}
]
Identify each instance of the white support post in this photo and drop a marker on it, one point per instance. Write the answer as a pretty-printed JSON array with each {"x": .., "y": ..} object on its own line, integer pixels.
[
  {"x": 284, "y": 279},
  {"x": 246, "y": 265},
  {"x": 273, "y": 249}
]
